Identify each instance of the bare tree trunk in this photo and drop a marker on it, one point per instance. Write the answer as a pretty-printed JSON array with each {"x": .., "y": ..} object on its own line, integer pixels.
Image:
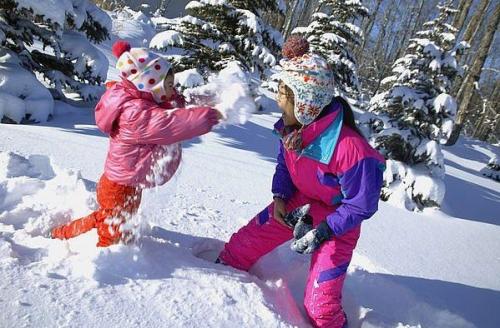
[
  {"x": 476, "y": 20},
  {"x": 467, "y": 88},
  {"x": 463, "y": 12}
]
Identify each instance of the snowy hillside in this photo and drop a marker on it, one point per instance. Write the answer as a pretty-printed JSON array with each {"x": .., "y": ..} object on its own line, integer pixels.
[
  {"x": 439, "y": 268},
  {"x": 431, "y": 269}
]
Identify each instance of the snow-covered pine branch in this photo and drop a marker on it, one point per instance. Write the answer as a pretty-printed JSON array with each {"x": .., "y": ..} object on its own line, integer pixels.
[{"x": 54, "y": 39}]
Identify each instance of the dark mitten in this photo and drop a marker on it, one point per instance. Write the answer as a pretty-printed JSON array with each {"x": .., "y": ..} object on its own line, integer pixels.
[
  {"x": 312, "y": 239},
  {"x": 294, "y": 216},
  {"x": 302, "y": 227}
]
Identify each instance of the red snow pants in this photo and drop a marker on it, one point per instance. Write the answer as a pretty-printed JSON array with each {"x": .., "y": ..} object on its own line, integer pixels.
[{"x": 116, "y": 203}]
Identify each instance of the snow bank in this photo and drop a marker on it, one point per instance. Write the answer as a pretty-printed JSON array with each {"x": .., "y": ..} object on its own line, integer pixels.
[
  {"x": 36, "y": 195},
  {"x": 21, "y": 94},
  {"x": 228, "y": 91},
  {"x": 166, "y": 266}
]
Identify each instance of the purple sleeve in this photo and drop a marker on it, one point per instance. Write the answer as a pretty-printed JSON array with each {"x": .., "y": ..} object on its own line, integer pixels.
[
  {"x": 361, "y": 186},
  {"x": 283, "y": 186}
]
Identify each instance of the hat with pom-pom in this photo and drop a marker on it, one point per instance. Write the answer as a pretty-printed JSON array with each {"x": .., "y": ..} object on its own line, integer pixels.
[
  {"x": 144, "y": 69},
  {"x": 310, "y": 78}
]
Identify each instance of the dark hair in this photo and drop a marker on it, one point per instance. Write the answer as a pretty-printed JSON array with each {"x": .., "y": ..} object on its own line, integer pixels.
[{"x": 348, "y": 115}]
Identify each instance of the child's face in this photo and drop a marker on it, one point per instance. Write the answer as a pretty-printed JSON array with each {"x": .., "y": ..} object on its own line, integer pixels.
[
  {"x": 286, "y": 103},
  {"x": 168, "y": 85}
]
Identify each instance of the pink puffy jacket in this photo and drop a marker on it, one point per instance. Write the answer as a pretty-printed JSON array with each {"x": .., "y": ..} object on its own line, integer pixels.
[{"x": 144, "y": 147}]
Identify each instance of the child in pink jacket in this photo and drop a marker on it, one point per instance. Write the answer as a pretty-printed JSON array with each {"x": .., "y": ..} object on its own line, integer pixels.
[
  {"x": 327, "y": 181},
  {"x": 145, "y": 121}
]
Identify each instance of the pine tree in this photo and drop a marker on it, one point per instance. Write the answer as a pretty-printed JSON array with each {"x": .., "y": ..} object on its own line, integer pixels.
[
  {"x": 217, "y": 32},
  {"x": 64, "y": 30},
  {"x": 332, "y": 34},
  {"x": 415, "y": 113}
]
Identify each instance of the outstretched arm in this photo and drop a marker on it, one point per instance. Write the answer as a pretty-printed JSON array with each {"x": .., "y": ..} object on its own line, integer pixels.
[{"x": 163, "y": 127}]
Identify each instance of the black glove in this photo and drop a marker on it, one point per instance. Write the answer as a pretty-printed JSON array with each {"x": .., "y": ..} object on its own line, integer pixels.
[
  {"x": 311, "y": 239},
  {"x": 294, "y": 216},
  {"x": 303, "y": 226}
]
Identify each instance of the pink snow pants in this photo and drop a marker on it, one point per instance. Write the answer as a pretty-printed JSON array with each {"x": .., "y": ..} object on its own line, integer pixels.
[{"x": 323, "y": 294}]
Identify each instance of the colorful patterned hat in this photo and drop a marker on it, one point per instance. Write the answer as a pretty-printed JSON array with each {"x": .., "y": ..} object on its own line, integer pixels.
[
  {"x": 310, "y": 78},
  {"x": 144, "y": 69}
]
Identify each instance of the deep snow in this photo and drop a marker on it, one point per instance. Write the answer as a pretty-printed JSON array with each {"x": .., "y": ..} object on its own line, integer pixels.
[{"x": 429, "y": 269}]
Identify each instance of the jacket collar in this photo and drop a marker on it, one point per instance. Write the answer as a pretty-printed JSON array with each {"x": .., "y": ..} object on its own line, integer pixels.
[{"x": 319, "y": 138}]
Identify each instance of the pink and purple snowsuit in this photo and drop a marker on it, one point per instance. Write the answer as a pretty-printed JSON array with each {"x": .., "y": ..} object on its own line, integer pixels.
[{"x": 340, "y": 175}]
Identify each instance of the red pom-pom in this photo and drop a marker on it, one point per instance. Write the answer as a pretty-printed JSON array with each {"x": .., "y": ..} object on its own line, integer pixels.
[
  {"x": 295, "y": 46},
  {"x": 119, "y": 47}
]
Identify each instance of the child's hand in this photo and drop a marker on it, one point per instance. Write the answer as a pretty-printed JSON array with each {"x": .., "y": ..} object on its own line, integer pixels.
[{"x": 279, "y": 210}]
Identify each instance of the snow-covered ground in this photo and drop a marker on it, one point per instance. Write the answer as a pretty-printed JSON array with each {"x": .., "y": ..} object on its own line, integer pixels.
[
  {"x": 440, "y": 268},
  {"x": 434, "y": 269}
]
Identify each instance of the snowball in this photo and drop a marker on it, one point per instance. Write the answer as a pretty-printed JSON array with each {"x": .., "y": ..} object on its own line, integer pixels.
[{"x": 228, "y": 92}]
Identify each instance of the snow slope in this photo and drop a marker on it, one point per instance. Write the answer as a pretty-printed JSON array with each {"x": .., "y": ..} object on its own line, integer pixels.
[
  {"x": 429, "y": 269},
  {"x": 433, "y": 269}
]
